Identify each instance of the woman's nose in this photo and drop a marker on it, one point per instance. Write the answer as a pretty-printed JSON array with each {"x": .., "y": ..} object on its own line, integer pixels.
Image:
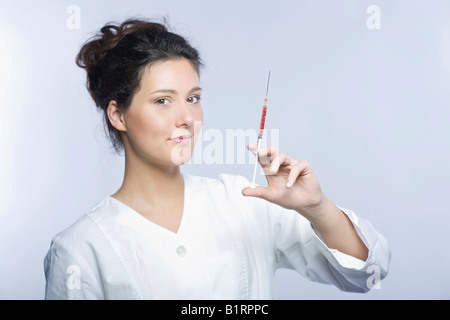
[{"x": 185, "y": 117}]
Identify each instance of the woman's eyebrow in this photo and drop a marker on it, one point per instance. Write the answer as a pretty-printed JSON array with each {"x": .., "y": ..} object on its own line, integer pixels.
[
  {"x": 195, "y": 89},
  {"x": 171, "y": 91},
  {"x": 165, "y": 91}
]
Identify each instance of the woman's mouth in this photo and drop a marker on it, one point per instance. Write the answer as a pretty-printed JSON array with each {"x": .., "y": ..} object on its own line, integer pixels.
[{"x": 183, "y": 140}]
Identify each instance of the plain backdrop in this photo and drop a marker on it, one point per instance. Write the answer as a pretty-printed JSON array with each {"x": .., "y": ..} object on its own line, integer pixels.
[{"x": 367, "y": 107}]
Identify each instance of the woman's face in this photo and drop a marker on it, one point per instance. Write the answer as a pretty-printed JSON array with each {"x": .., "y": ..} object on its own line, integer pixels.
[{"x": 165, "y": 116}]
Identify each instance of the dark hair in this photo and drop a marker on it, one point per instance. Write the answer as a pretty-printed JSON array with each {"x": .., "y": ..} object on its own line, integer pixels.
[{"x": 116, "y": 57}]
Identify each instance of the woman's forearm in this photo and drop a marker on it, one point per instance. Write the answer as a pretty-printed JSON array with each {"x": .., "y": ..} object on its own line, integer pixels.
[{"x": 335, "y": 228}]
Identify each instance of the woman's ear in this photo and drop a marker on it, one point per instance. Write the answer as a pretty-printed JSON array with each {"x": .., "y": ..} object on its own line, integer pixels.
[{"x": 116, "y": 116}]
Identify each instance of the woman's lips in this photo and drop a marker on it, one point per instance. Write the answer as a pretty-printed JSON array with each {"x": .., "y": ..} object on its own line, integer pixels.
[{"x": 186, "y": 139}]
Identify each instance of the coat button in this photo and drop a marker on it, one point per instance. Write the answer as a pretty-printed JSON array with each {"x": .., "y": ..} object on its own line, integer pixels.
[{"x": 181, "y": 251}]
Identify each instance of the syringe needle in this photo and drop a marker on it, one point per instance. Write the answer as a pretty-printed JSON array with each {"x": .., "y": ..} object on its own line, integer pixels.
[{"x": 267, "y": 88}]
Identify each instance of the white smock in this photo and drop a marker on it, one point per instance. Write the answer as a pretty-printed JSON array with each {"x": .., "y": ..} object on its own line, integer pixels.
[{"x": 228, "y": 246}]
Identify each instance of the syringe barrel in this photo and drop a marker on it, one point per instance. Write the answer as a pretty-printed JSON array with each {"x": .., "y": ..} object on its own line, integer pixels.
[{"x": 263, "y": 120}]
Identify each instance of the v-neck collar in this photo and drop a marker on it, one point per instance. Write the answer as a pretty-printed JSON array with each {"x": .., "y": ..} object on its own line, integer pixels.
[{"x": 142, "y": 221}]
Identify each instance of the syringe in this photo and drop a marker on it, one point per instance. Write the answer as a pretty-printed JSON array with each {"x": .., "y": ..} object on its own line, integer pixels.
[{"x": 261, "y": 130}]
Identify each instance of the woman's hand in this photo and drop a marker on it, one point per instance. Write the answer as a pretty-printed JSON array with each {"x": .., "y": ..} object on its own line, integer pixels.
[{"x": 292, "y": 183}]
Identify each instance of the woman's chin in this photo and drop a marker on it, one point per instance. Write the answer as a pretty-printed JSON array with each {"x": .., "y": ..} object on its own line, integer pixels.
[{"x": 181, "y": 154}]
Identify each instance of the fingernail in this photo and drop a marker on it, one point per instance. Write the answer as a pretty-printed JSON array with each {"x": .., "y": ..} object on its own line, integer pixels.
[{"x": 289, "y": 184}]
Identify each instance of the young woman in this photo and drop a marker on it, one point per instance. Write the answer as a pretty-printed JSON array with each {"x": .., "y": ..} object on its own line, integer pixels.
[{"x": 167, "y": 235}]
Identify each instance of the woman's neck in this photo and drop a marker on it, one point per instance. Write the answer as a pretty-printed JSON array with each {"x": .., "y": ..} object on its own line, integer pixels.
[{"x": 150, "y": 186}]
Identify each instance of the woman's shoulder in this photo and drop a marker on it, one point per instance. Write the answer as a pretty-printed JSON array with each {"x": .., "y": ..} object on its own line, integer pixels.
[
  {"x": 81, "y": 252},
  {"x": 84, "y": 231}
]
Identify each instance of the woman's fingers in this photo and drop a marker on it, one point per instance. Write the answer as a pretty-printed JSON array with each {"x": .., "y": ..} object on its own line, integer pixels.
[
  {"x": 298, "y": 168},
  {"x": 260, "y": 192},
  {"x": 291, "y": 183},
  {"x": 267, "y": 154},
  {"x": 271, "y": 159},
  {"x": 252, "y": 148}
]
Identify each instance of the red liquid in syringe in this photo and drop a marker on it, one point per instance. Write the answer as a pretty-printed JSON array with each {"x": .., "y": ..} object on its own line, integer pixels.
[{"x": 263, "y": 117}]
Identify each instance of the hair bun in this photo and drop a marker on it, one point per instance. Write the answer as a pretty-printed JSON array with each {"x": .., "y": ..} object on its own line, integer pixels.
[{"x": 95, "y": 49}]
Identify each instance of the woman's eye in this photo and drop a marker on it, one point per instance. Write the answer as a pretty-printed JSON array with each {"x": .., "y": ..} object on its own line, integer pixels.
[
  {"x": 162, "y": 101},
  {"x": 193, "y": 99}
]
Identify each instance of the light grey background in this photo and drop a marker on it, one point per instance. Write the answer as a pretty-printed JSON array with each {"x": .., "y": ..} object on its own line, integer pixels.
[{"x": 368, "y": 108}]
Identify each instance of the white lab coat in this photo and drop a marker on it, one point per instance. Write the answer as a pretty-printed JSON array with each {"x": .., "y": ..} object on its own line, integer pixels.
[{"x": 227, "y": 247}]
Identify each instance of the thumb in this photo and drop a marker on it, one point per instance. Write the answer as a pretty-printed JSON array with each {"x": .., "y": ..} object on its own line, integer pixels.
[{"x": 260, "y": 192}]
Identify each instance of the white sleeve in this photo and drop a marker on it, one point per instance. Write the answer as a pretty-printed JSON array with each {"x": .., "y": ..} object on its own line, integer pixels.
[
  {"x": 297, "y": 246},
  {"x": 68, "y": 276}
]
